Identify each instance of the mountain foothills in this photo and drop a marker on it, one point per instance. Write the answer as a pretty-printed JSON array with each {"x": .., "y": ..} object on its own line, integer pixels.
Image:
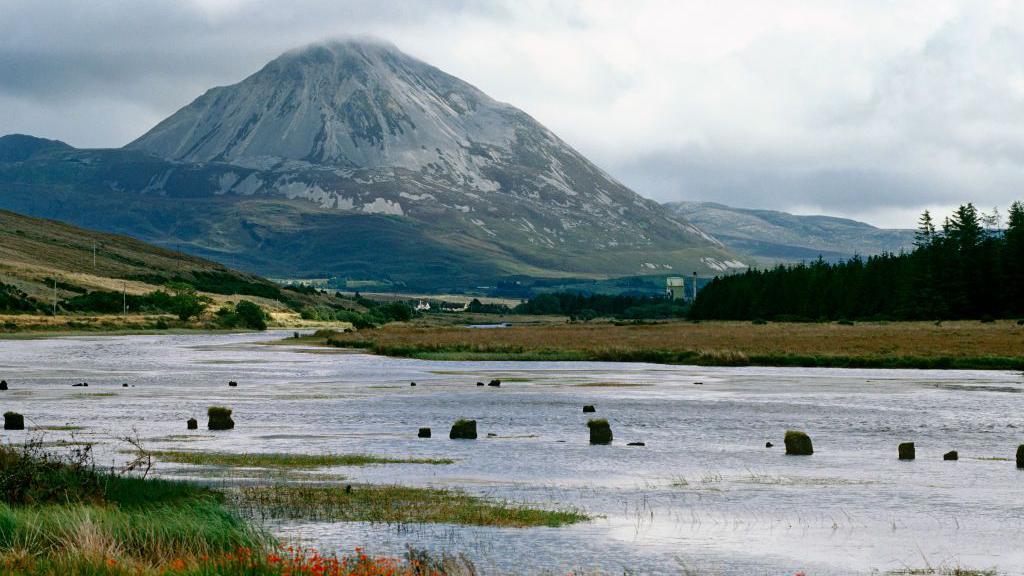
[
  {"x": 771, "y": 236},
  {"x": 354, "y": 160}
]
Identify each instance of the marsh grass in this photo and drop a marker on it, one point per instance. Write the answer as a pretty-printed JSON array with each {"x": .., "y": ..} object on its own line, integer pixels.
[
  {"x": 865, "y": 345},
  {"x": 282, "y": 460},
  {"x": 391, "y": 505},
  {"x": 59, "y": 428},
  {"x": 63, "y": 511},
  {"x": 611, "y": 384}
]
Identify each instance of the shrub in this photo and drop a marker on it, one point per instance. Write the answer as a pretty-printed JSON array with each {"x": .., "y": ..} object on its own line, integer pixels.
[
  {"x": 600, "y": 431},
  {"x": 251, "y": 315},
  {"x": 759, "y": 321},
  {"x": 219, "y": 418},
  {"x": 13, "y": 421},
  {"x": 798, "y": 443},
  {"x": 906, "y": 451},
  {"x": 463, "y": 430}
]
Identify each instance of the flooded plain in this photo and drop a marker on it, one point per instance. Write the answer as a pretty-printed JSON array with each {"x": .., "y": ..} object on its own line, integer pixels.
[{"x": 703, "y": 495}]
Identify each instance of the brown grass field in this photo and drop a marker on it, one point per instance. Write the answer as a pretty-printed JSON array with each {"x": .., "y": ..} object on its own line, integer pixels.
[{"x": 965, "y": 344}]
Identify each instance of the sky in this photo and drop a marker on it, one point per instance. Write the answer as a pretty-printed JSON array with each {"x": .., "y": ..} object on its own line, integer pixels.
[{"x": 869, "y": 109}]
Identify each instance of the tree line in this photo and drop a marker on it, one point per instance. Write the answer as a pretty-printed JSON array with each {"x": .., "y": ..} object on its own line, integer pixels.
[{"x": 967, "y": 268}]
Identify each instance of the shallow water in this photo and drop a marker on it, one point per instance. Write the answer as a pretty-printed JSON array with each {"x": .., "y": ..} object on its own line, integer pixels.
[{"x": 703, "y": 496}]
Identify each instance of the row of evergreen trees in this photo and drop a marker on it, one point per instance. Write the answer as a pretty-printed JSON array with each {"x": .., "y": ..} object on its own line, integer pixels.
[{"x": 967, "y": 268}]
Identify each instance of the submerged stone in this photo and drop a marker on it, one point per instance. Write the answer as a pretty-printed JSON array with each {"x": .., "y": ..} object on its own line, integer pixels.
[
  {"x": 906, "y": 451},
  {"x": 589, "y": 408},
  {"x": 798, "y": 443},
  {"x": 600, "y": 431},
  {"x": 13, "y": 421},
  {"x": 192, "y": 424},
  {"x": 463, "y": 430},
  {"x": 219, "y": 418},
  {"x": 424, "y": 433},
  {"x": 951, "y": 455}
]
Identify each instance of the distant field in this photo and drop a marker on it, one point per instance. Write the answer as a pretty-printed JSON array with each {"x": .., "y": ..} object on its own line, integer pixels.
[{"x": 998, "y": 345}]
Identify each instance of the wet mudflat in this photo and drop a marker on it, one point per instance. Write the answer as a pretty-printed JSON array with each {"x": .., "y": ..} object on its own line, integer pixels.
[{"x": 704, "y": 494}]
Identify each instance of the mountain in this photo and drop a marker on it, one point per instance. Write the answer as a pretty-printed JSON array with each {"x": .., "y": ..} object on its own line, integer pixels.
[
  {"x": 352, "y": 159},
  {"x": 772, "y": 236}
]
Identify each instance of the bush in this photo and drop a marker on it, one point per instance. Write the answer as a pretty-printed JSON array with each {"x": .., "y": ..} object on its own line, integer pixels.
[
  {"x": 600, "y": 431},
  {"x": 245, "y": 314},
  {"x": 219, "y": 418},
  {"x": 463, "y": 430},
  {"x": 906, "y": 451},
  {"x": 13, "y": 421},
  {"x": 798, "y": 443}
]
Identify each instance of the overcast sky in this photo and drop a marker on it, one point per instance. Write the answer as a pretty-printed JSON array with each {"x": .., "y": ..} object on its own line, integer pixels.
[{"x": 868, "y": 109}]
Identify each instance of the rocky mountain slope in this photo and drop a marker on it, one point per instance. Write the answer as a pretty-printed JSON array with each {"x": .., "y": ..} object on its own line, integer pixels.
[
  {"x": 353, "y": 159},
  {"x": 772, "y": 236}
]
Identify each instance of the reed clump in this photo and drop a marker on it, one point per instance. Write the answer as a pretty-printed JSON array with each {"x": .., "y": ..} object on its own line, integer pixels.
[{"x": 219, "y": 418}]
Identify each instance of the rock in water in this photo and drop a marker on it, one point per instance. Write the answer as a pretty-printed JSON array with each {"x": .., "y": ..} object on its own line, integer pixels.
[
  {"x": 768, "y": 444},
  {"x": 951, "y": 455},
  {"x": 424, "y": 433},
  {"x": 192, "y": 424},
  {"x": 479, "y": 383},
  {"x": 600, "y": 431},
  {"x": 636, "y": 444},
  {"x": 220, "y": 418},
  {"x": 1020, "y": 456},
  {"x": 232, "y": 383},
  {"x": 906, "y": 451},
  {"x": 13, "y": 421},
  {"x": 798, "y": 443},
  {"x": 589, "y": 408},
  {"x": 463, "y": 430},
  {"x": 3, "y": 384},
  {"x": 494, "y": 383},
  {"x": 412, "y": 383}
]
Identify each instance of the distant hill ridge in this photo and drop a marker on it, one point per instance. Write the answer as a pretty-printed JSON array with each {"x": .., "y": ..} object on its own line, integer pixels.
[{"x": 773, "y": 236}]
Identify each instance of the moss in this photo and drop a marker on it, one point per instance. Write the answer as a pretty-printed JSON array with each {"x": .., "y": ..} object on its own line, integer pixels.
[
  {"x": 219, "y": 418},
  {"x": 906, "y": 451},
  {"x": 13, "y": 421},
  {"x": 463, "y": 429},
  {"x": 600, "y": 431},
  {"x": 798, "y": 443}
]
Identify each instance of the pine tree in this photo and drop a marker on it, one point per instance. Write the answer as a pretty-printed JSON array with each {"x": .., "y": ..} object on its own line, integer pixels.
[{"x": 925, "y": 234}]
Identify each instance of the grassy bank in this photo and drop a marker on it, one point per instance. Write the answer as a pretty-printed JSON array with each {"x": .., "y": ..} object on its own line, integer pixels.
[
  {"x": 60, "y": 515},
  {"x": 393, "y": 505},
  {"x": 962, "y": 345}
]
